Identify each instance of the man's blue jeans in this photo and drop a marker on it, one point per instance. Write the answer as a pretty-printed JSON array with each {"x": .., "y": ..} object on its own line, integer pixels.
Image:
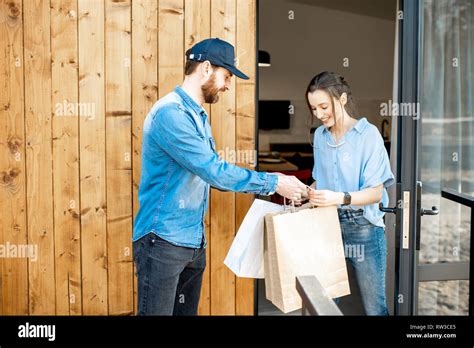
[
  {"x": 366, "y": 250},
  {"x": 169, "y": 276}
]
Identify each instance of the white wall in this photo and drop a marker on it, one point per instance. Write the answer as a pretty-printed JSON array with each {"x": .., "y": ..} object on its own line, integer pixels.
[{"x": 319, "y": 38}]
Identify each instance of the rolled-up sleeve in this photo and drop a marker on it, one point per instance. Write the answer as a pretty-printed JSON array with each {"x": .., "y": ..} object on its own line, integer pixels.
[
  {"x": 175, "y": 132},
  {"x": 376, "y": 167}
]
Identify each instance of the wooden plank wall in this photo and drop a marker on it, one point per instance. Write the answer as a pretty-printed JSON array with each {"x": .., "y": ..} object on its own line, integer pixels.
[{"x": 77, "y": 80}]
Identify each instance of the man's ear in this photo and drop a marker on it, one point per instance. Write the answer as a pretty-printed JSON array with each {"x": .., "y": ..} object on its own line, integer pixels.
[{"x": 206, "y": 67}]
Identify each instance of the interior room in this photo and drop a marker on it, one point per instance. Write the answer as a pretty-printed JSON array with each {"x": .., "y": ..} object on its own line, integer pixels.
[{"x": 297, "y": 39}]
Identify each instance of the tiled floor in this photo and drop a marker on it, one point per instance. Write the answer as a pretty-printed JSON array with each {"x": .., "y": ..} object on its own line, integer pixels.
[{"x": 349, "y": 305}]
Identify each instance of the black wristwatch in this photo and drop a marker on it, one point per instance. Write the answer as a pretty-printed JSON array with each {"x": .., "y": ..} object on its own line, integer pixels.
[{"x": 347, "y": 198}]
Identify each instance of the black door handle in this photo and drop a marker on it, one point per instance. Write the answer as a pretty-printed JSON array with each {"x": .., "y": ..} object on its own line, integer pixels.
[
  {"x": 387, "y": 210},
  {"x": 433, "y": 211}
]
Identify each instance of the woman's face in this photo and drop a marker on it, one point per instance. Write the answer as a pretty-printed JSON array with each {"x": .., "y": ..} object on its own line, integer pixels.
[{"x": 320, "y": 103}]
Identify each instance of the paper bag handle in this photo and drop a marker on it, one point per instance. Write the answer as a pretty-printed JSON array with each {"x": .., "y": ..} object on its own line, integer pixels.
[{"x": 293, "y": 208}]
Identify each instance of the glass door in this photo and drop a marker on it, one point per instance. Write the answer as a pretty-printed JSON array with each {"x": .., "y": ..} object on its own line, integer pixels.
[
  {"x": 446, "y": 156},
  {"x": 435, "y": 158}
]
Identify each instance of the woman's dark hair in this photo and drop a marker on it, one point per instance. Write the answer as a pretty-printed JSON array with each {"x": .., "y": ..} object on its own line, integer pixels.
[{"x": 335, "y": 86}]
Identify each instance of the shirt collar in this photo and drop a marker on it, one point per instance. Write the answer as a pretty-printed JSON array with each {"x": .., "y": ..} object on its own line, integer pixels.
[
  {"x": 359, "y": 126},
  {"x": 190, "y": 101}
]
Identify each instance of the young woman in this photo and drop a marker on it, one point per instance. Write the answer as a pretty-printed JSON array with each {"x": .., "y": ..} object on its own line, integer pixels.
[{"x": 352, "y": 170}]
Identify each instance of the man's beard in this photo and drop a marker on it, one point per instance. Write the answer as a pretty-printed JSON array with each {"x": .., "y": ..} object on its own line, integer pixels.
[{"x": 210, "y": 91}]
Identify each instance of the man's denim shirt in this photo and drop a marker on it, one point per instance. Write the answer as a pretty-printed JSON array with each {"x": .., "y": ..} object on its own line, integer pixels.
[{"x": 179, "y": 163}]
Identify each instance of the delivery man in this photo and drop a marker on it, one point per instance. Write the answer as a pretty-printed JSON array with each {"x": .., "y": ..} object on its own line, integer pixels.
[{"x": 179, "y": 164}]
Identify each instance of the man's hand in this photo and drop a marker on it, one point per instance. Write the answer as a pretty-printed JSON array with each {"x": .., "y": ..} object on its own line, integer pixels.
[
  {"x": 324, "y": 198},
  {"x": 290, "y": 187}
]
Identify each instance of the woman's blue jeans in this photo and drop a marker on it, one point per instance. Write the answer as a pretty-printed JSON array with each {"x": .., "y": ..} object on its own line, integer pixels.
[{"x": 365, "y": 249}]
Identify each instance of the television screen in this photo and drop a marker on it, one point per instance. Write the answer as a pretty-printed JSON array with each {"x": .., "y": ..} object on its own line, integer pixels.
[{"x": 273, "y": 114}]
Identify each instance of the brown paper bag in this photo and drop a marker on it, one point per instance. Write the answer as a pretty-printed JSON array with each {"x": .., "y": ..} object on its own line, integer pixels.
[{"x": 305, "y": 242}]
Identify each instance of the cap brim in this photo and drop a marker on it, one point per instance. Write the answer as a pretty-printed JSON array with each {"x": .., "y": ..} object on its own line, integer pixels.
[{"x": 236, "y": 72}]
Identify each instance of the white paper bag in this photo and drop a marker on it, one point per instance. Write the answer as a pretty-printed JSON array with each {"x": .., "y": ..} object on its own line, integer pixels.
[{"x": 245, "y": 256}]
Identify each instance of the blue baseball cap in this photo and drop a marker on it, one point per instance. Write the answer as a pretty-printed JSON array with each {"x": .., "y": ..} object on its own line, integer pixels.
[{"x": 217, "y": 52}]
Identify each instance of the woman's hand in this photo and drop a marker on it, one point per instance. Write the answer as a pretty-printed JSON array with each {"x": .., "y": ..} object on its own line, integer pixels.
[
  {"x": 366, "y": 196},
  {"x": 324, "y": 198}
]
